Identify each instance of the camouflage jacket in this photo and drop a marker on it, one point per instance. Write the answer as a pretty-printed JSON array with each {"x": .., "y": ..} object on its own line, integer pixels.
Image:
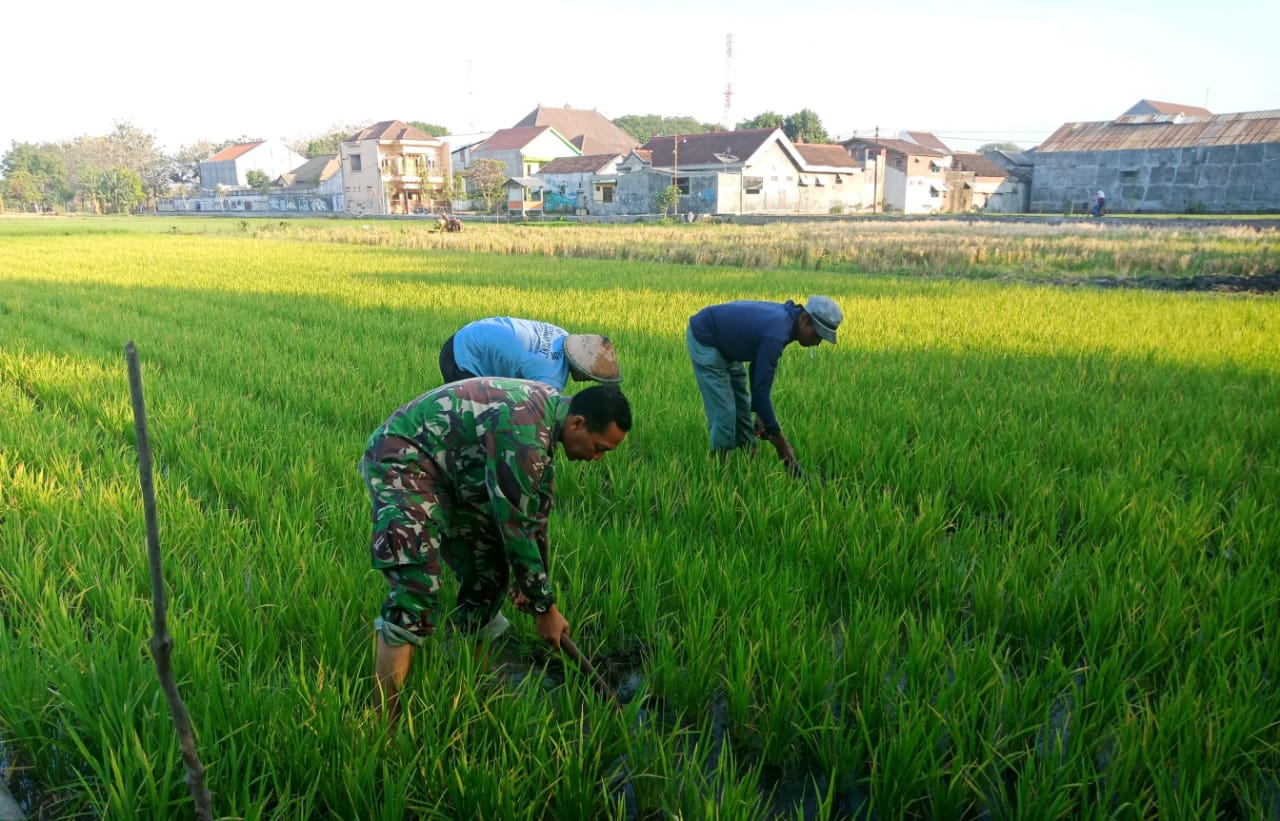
[{"x": 490, "y": 443}]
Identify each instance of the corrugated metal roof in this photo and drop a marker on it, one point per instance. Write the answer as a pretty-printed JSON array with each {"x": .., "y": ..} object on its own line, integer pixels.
[{"x": 1162, "y": 131}]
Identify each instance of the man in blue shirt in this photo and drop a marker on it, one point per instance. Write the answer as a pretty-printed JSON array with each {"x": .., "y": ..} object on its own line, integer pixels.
[
  {"x": 721, "y": 338},
  {"x": 503, "y": 346}
]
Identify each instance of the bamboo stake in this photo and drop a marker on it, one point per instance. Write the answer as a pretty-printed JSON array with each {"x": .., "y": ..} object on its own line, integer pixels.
[{"x": 161, "y": 641}]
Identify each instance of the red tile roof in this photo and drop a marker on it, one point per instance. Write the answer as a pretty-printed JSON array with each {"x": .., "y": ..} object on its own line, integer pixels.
[
  {"x": 588, "y": 129},
  {"x": 512, "y": 138},
  {"x": 233, "y": 151},
  {"x": 1157, "y": 107}
]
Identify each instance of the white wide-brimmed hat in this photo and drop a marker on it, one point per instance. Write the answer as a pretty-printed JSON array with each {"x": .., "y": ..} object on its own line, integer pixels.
[{"x": 593, "y": 356}]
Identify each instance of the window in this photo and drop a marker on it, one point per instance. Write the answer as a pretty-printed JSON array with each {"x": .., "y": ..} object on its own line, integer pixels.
[
  {"x": 606, "y": 194},
  {"x": 355, "y": 162}
]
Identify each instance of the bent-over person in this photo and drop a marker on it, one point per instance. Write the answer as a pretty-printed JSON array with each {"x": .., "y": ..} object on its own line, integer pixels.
[
  {"x": 720, "y": 338},
  {"x": 465, "y": 475},
  {"x": 527, "y": 349}
]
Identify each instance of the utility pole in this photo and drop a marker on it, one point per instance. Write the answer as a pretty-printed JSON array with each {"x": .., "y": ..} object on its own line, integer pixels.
[
  {"x": 675, "y": 170},
  {"x": 875, "y": 178}
]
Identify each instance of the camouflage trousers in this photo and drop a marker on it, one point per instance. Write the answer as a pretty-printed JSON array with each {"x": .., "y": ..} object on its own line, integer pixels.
[{"x": 415, "y": 525}]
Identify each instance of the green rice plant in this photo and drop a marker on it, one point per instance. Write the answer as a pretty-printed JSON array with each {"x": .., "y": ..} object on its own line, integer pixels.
[{"x": 1030, "y": 573}]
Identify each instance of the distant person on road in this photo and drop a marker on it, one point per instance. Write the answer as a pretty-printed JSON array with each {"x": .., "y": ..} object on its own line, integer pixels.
[
  {"x": 527, "y": 349},
  {"x": 1099, "y": 205},
  {"x": 464, "y": 474},
  {"x": 720, "y": 338}
]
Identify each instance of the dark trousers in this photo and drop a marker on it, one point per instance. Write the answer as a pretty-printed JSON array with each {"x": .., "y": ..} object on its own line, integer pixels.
[{"x": 449, "y": 366}]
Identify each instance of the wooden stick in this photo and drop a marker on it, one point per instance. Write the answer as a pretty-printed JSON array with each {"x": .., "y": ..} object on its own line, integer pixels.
[
  {"x": 584, "y": 664},
  {"x": 161, "y": 641}
]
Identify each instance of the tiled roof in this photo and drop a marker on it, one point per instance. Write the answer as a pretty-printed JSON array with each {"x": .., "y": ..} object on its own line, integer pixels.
[
  {"x": 701, "y": 149},
  {"x": 588, "y": 129},
  {"x": 1160, "y": 131},
  {"x": 978, "y": 164},
  {"x": 233, "y": 151},
  {"x": 313, "y": 172},
  {"x": 389, "y": 130},
  {"x": 1157, "y": 107},
  {"x": 827, "y": 155},
  {"x": 590, "y": 164},
  {"x": 507, "y": 139},
  {"x": 893, "y": 145},
  {"x": 928, "y": 140}
]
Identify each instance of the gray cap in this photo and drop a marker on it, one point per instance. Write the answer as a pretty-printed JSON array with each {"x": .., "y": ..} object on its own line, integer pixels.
[{"x": 826, "y": 316}]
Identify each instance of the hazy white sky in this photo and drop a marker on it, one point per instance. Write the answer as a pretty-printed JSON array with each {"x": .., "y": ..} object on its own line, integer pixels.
[{"x": 971, "y": 72}]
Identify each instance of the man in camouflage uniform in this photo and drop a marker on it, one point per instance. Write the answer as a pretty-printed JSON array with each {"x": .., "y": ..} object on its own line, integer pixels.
[{"x": 464, "y": 473}]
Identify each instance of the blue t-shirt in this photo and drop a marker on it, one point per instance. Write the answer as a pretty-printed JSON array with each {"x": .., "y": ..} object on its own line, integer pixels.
[
  {"x": 514, "y": 348},
  {"x": 754, "y": 332}
]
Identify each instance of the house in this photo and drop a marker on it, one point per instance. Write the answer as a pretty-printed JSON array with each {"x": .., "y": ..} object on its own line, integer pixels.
[
  {"x": 524, "y": 195},
  {"x": 229, "y": 168},
  {"x": 589, "y": 130},
  {"x": 914, "y": 176},
  {"x": 1001, "y": 180},
  {"x": 831, "y": 180},
  {"x": 730, "y": 172},
  {"x": 393, "y": 168},
  {"x": 524, "y": 149},
  {"x": 575, "y": 184},
  {"x": 926, "y": 138},
  {"x": 316, "y": 185},
  {"x": 737, "y": 172},
  {"x": 1162, "y": 162}
]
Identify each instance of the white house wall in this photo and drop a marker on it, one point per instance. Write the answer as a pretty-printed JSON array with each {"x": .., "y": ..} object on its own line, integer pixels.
[{"x": 362, "y": 189}]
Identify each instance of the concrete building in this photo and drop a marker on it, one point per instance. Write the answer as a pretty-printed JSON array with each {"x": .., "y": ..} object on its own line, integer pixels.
[
  {"x": 524, "y": 149},
  {"x": 914, "y": 176},
  {"x": 1168, "y": 161},
  {"x": 577, "y": 184},
  {"x": 314, "y": 186},
  {"x": 393, "y": 168},
  {"x": 229, "y": 168}
]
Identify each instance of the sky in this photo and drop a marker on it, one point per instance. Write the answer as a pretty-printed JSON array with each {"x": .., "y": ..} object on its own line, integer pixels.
[{"x": 971, "y": 72}]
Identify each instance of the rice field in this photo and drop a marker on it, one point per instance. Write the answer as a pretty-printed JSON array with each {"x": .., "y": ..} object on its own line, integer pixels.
[{"x": 1033, "y": 570}]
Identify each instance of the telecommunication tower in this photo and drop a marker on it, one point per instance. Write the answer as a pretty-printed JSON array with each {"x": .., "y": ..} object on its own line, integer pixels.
[{"x": 728, "y": 80}]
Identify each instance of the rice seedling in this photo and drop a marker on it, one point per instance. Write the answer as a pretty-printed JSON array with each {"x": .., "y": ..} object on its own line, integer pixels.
[{"x": 1032, "y": 573}]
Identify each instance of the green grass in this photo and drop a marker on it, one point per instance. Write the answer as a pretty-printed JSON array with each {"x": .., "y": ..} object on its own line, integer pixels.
[{"x": 1032, "y": 574}]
